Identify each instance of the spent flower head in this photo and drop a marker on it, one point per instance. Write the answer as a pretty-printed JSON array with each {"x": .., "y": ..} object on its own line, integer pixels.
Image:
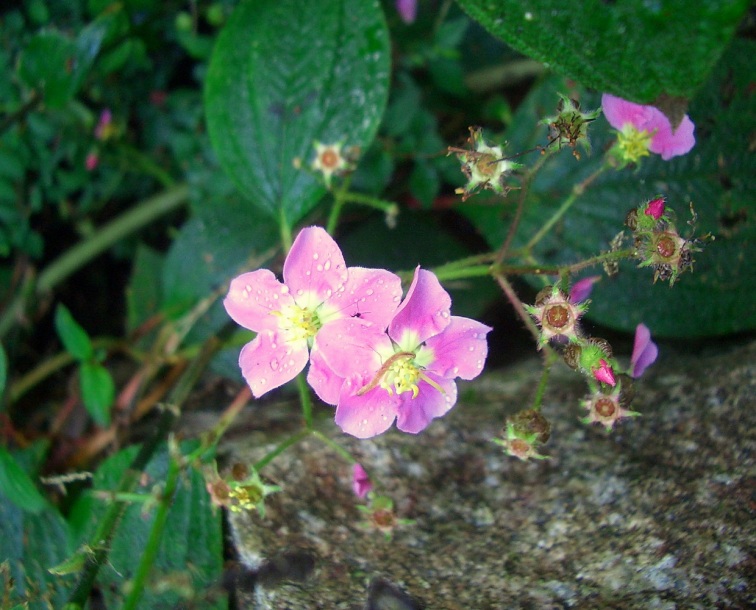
[
  {"x": 484, "y": 166},
  {"x": 569, "y": 127},
  {"x": 606, "y": 409},
  {"x": 524, "y": 433},
  {"x": 380, "y": 515},
  {"x": 331, "y": 161},
  {"x": 645, "y": 129},
  {"x": 557, "y": 315}
]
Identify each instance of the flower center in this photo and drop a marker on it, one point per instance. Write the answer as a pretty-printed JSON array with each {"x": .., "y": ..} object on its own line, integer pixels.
[
  {"x": 633, "y": 144},
  {"x": 329, "y": 159},
  {"x": 605, "y": 407},
  {"x": 666, "y": 246},
  {"x": 399, "y": 374},
  {"x": 557, "y": 316},
  {"x": 486, "y": 165},
  {"x": 298, "y": 323},
  {"x": 519, "y": 447}
]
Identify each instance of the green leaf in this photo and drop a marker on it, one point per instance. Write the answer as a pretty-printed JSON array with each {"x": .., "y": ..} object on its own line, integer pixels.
[
  {"x": 190, "y": 558},
  {"x": 57, "y": 65},
  {"x": 31, "y": 543},
  {"x": 717, "y": 297},
  {"x": 17, "y": 486},
  {"x": 635, "y": 49},
  {"x": 74, "y": 337},
  {"x": 97, "y": 391},
  {"x": 284, "y": 74}
]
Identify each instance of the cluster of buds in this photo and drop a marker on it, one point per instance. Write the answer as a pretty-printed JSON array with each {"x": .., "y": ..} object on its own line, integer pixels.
[
  {"x": 524, "y": 433},
  {"x": 570, "y": 125},
  {"x": 484, "y": 166},
  {"x": 241, "y": 490},
  {"x": 657, "y": 242}
]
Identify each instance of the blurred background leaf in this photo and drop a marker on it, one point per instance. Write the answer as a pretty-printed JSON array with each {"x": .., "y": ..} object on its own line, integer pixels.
[
  {"x": 634, "y": 49},
  {"x": 284, "y": 74}
]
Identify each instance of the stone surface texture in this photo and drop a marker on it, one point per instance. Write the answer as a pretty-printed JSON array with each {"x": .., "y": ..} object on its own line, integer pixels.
[{"x": 658, "y": 514}]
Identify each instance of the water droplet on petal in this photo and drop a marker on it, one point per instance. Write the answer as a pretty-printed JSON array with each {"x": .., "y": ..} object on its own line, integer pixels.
[
  {"x": 274, "y": 365},
  {"x": 471, "y": 348},
  {"x": 327, "y": 265},
  {"x": 319, "y": 267},
  {"x": 369, "y": 292},
  {"x": 316, "y": 256}
]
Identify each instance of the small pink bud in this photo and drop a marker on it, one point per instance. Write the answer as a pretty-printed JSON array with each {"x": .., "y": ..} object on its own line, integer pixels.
[
  {"x": 361, "y": 483},
  {"x": 91, "y": 161},
  {"x": 581, "y": 289},
  {"x": 604, "y": 373},
  {"x": 655, "y": 208},
  {"x": 407, "y": 10}
]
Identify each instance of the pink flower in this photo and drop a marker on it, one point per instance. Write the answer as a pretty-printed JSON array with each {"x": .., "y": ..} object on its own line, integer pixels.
[
  {"x": 361, "y": 483},
  {"x": 604, "y": 373},
  {"x": 408, "y": 374},
  {"x": 646, "y": 128},
  {"x": 104, "y": 128},
  {"x": 645, "y": 351},
  {"x": 581, "y": 289},
  {"x": 407, "y": 10},
  {"x": 655, "y": 208},
  {"x": 318, "y": 290}
]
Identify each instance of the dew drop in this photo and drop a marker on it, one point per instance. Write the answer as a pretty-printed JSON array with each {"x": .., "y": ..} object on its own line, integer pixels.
[
  {"x": 273, "y": 346},
  {"x": 274, "y": 365},
  {"x": 316, "y": 256},
  {"x": 284, "y": 290},
  {"x": 300, "y": 292},
  {"x": 319, "y": 267},
  {"x": 327, "y": 265},
  {"x": 263, "y": 381},
  {"x": 471, "y": 348},
  {"x": 364, "y": 422},
  {"x": 369, "y": 292}
]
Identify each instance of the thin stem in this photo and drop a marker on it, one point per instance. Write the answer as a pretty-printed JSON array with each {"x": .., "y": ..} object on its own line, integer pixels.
[
  {"x": 100, "y": 240},
  {"x": 292, "y": 440},
  {"x": 577, "y": 190},
  {"x": 517, "y": 304},
  {"x": 155, "y": 537},
  {"x": 551, "y": 357},
  {"x": 335, "y": 446},
  {"x": 283, "y": 225},
  {"x": 446, "y": 274},
  {"x": 305, "y": 399}
]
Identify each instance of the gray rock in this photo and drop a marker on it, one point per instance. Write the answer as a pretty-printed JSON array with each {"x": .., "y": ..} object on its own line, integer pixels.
[{"x": 656, "y": 515}]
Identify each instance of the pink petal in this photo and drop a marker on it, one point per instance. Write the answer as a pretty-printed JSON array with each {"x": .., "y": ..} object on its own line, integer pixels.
[
  {"x": 350, "y": 346},
  {"x": 361, "y": 483},
  {"x": 670, "y": 144},
  {"x": 655, "y": 208},
  {"x": 460, "y": 350},
  {"x": 252, "y": 297},
  {"x": 314, "y": 268},
  {"x": 604, "y": 373},
  {"x": 323, "y": 380},
  {"x": 619, "y": 112},
  {"x": 367, "y": 415},
  {"x": 424, "y": 311},
  {"x": 582, "y": 289},
  {"x": 370, "y": 294},
  {"x": 645, "y": 351},
  {"x": 407, "y": 10},
  {"x": 267, "y": 362},
  {"x": 416, "y": 413}
]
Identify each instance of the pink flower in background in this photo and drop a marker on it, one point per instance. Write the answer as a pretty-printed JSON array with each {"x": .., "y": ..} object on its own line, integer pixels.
[
  {"x": 645, "y": 351},
  {"x": 104, "y": 125},
  {"x": 408, "y": 374},
  {"x": 361, "y": 484},
  {"x": 647, "y": 126},
  {"x": 318, "y": 290},
  {"x": 407, "y": 10},
  {"x": 581, "y": 290}
]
